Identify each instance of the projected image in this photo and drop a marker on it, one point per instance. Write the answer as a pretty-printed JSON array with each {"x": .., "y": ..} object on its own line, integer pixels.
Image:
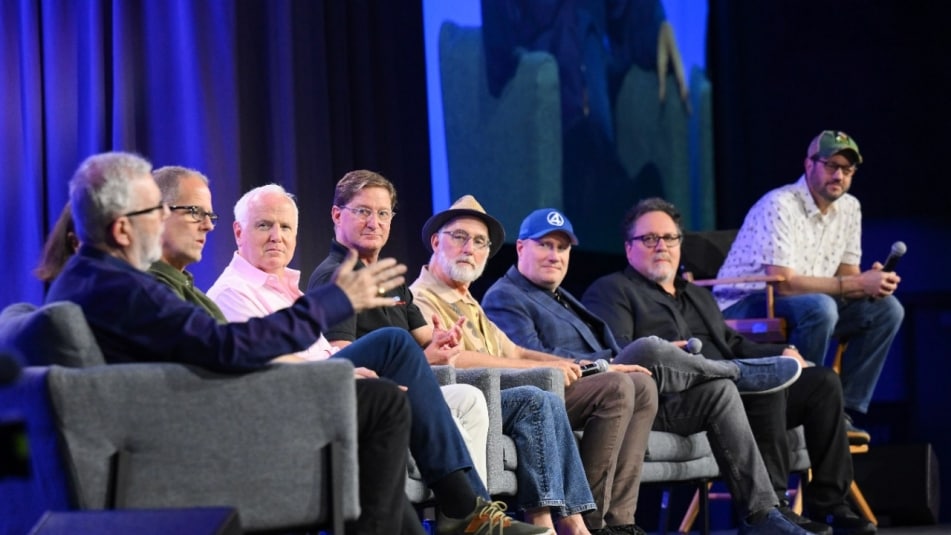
[{"x": 584, "y": 106}]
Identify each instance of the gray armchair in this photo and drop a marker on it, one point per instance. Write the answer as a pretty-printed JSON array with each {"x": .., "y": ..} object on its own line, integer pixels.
[{"x": 278, "y": 445}]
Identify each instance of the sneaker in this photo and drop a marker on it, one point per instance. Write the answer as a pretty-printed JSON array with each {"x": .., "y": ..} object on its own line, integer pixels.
[
  {"x": 766, "y": 375},
  {"x": 857, "y": 436},
  {"x": 813, "y": 527},
  {"x": 488, "y": 518},
  {"x": 774, "y": 524}
]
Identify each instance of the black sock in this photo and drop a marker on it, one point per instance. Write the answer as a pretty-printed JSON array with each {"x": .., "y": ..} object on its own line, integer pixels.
[{"x": 454, "y": 495}]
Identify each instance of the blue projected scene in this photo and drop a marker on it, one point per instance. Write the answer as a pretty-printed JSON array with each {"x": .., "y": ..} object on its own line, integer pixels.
[{"x": 584, "y": 106}]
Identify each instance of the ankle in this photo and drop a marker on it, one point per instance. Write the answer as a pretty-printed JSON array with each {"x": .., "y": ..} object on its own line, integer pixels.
[{"x": 539, "y": 516}]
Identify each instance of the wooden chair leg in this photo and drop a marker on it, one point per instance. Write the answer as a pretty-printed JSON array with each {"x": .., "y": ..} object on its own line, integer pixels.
[
  {"x": 860, "y": 502},
  {"x": 698, "y": 505}
]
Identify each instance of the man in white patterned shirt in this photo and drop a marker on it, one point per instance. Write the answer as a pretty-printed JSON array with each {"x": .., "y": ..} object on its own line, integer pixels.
[{"x": 810, "y": 233}]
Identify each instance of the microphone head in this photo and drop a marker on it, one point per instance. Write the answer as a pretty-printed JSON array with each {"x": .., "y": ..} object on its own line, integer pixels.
[
  {"x": 694, "y": 345},
  {"x": 602, "y": 365},
  {"x": 899, "y": 248}
]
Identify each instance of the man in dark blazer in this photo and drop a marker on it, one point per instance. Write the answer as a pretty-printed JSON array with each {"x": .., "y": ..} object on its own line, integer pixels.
[
  {"x": 649, "y": 298},
  {"x": 529, "y": 305}
]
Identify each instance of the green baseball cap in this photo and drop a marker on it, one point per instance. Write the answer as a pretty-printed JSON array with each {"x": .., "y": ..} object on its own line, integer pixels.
[{"x": 832, "y": 142}]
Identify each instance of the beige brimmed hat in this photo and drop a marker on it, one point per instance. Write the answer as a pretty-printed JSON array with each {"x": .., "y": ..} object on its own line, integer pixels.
[{"x": 465, "y": 206}]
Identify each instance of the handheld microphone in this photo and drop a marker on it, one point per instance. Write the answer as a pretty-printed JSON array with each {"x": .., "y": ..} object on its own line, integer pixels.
[
  {"x": 898, "y": 250},
  {"x": 597, "y": 366},
  {"x": 694, "y": 345}
]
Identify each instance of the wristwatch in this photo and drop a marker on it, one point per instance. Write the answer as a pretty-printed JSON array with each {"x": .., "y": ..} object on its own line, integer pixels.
[{"x": 790, "y": 346}]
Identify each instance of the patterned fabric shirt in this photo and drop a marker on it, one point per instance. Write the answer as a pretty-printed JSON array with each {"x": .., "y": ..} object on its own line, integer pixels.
[
  {"x": 785, "y": 228},
  {"x": 243, "y": 291},
  {"x": 478, "y": 333}
]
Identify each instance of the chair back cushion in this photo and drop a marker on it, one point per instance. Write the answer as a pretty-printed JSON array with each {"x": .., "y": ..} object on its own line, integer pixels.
[
  {"x": 702, "y": 253},
  {"x": 166, "y": 435},
  {"x": 55, "y": 333}
]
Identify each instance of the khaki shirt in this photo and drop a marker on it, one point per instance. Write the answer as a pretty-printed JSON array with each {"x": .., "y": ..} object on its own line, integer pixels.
[{"x": 478, "y": 334}]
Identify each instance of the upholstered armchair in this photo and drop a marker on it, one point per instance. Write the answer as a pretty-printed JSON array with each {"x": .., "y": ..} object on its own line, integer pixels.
[{"x": 278, "y": 445}]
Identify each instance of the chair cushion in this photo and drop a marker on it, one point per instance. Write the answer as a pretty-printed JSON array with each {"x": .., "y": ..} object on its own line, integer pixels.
[{"x": 56, "y": 333}]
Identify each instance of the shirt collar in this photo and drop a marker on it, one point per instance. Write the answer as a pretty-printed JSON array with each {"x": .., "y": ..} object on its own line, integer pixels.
[
  {"x": 258, "y": 277},
  {"x": 801, "y": 191},
  {"x": 182, "y": 277},
  {"x": 441, "y": 289}
]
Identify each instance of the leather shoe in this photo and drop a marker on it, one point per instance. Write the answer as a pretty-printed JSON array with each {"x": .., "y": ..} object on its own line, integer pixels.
[
  {"x": 845, "y": 522},
  {"x": 857, "y": 436},
  {"x": 811, "y": 526},
  {"x": 766, "y": 375}
]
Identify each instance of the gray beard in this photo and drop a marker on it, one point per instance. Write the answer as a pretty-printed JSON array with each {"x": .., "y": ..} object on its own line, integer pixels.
[{"x": 459, "y": 273}]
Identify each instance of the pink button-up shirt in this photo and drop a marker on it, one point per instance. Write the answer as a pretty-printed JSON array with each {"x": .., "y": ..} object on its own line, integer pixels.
[{"x": 243, "y": 291}]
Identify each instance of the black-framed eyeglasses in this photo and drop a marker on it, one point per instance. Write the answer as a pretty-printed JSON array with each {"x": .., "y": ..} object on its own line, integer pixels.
[
  {"x": 197, "y": 213},
  {"x": 363, "y": 213},
  {"x": 650, "y": 240},
  {"x": 461, "y": 238},
  {"x": 159, "y": 206},
  {"x": 832, "y": 167}
]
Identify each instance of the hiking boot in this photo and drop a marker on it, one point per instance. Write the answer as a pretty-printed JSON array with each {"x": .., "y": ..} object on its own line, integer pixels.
[{"x": 488, "y": 518}]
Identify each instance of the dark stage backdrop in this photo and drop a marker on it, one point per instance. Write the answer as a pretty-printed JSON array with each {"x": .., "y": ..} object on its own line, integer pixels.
[{"x": 250, "y": 92}]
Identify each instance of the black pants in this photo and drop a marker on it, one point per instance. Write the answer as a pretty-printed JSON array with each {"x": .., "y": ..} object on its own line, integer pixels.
[
  {"x": 815, "y": 402},
  {"x": 383, "y": 424}
]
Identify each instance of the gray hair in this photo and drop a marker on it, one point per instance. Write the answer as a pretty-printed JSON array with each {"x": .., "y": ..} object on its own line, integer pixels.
[
  {"x": 101, "y": 190},
  {"x": 169, "y": 180},
  {"x": 241, "y": 207}
]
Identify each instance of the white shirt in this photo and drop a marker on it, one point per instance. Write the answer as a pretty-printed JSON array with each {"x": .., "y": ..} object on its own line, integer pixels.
[{"x": 785, "y": 228}]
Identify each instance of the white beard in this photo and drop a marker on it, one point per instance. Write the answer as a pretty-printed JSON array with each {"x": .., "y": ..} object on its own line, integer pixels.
[{"x": 459, "y": 272}]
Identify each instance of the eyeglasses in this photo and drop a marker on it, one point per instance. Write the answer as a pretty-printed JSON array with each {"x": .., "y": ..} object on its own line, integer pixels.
[
  {"x": 650, "y": 240},
  {"x": 363, "y": 213},
  {"x": 461, "y": 238},
  {"x": 196, "y": 213},
  {"x": 160, "y": 206},
  {"x": 832, "y": 167}
]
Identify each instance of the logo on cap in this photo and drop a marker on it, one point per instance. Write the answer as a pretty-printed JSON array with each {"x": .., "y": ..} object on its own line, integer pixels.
[{"x": 555, "y": 219}]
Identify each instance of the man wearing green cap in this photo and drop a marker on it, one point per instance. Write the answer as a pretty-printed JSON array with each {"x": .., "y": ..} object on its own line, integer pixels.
[{"x": 810, "y": 233}]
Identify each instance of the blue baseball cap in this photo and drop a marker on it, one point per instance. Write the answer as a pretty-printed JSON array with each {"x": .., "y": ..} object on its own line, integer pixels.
[{"x": 543, "y": 222}]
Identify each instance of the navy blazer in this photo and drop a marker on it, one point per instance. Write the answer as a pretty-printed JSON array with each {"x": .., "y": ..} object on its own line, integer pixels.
[
  {"x": 634, "y": 307},
  {"x": 533, "y": 319}
]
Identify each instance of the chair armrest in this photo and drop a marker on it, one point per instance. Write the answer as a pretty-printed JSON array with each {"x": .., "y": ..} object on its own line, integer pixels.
[
  {"x": 548, "y": 379},
  {"x": 445, "y": 375},
  {"x": 487, "y": 380}
]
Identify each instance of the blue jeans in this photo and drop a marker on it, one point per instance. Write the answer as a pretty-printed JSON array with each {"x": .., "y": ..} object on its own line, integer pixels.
[
  {"x": 869, "y": 327},
  {"x": 550, "y": 473},
  {"x": 434, "y": 439}
]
